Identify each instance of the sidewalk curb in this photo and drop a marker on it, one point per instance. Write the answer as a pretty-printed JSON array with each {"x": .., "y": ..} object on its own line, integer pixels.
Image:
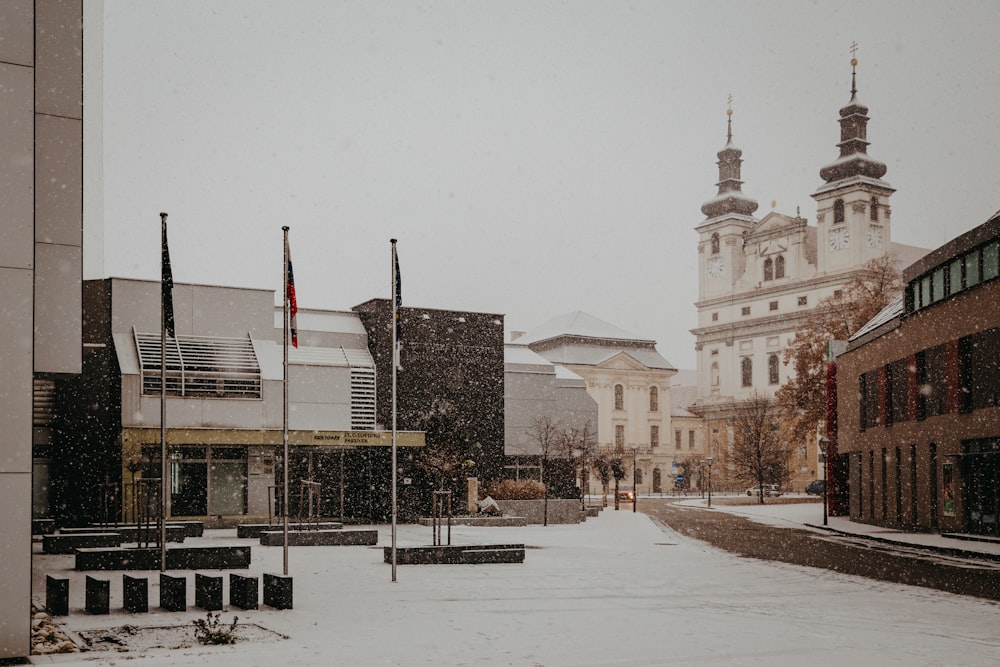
[{"x": 947, "y": 551}]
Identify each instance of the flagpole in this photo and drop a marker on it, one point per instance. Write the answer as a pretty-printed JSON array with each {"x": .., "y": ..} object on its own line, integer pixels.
[
  {"x": 164, "y": 465},
  {"x": 395, "y": 366},
  {"x": 284, "y": 418}
]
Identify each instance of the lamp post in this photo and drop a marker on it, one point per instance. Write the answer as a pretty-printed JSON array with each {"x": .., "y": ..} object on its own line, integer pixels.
[
  {"x": 708, "y": 459},
  {"x": 824, "y": 443},
  {"x": 635, "y": 484}
]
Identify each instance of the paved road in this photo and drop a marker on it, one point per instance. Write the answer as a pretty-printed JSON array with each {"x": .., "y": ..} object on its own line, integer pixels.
[{"x": 851, "y": 555}]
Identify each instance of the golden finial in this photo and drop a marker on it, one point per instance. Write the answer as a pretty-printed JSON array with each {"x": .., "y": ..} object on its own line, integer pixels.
[
  {"x": 774, "y": 202},
  {"x": 729, "y": 111},
  {"x": 854, "y": 54}
]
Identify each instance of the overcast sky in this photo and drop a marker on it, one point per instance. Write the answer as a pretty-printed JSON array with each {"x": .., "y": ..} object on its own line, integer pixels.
[{"x": 532, "y": 158}]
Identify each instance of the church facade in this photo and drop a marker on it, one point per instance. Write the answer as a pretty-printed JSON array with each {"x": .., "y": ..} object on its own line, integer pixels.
[{"x": 761, "y": 278}]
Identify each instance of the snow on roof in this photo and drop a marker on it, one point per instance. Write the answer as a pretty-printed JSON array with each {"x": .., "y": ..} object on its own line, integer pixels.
[
  {"x": 577, "y": 323},
  {"x": 887, "y": 314}
]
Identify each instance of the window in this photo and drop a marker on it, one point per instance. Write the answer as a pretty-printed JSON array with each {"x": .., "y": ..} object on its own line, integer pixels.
[
  {"x": 690, "y": 439},
  {"x": 772, "y": 369},
  {"x": 715, "y": 374},
  {"x": 898, "y": 390},
  {"x": 745, "y": 311},
  {"x": 972, "y": 268},
  {"x": 677, "y": 439},
  {"x": 803, "y": 301},
  {"x": 638, "y": 478},
  {"x": 937, "y": 282},
  {"x": 715, "y": 317},
  {"x": 654, "y": 399},
  {"x": 199, "y": 366},
  {"x": 873, "y": 211},
  {"x": 934, "y": 379},
  {"x": 773, "y": 305},
  {"x": 715, "y": 244},
  {"x": 838, "y": 294},
  {"x": 991, "y": 261},
  {"x": 955, "y": 276},
  {"x": 654, "y": 436},
  {"x": 979, "y": 362},
  {"x": 868, "y": 383},
  {"x": 746, "y": 371},
  {"x": 779, "y": 266},
  {"x": 619, "y": 436},
  {"x": 619, "y": 397},
  {"x": 838, "y": 211},
  {"x": 768, "y": 269}
]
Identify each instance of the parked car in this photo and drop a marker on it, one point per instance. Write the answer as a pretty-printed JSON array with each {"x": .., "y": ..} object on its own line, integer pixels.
[
  {"x": 816, "y": 487},
  {"x": 626, "y": 496},
  {"x": 769, "y": 490}
]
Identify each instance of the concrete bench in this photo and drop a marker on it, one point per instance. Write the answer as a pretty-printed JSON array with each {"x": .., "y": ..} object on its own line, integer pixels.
[
  {"x": 133, "y": 533},
  {"x": 135, "y": 593},
  {"x": 208, "y": 591},
  {"x": 278, "y": 591},
  {"x": 473, "y": 554},
  {"x": 98, "y": 596},
  {"x": 178, "y": 558},
  {"x": 253, "y": 530},
  {"x": 67, "y": 543},
  {"x": 243, "y": 591},
  {"x": 320, "y": 538},
  {"x": 173, "y": 592},
  {"x": 43, "y": 526},
  {"x": 57, "y": 595}
]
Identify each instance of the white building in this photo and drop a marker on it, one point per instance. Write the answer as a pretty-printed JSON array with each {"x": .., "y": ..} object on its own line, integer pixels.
[{"x": 760, "y": 278}]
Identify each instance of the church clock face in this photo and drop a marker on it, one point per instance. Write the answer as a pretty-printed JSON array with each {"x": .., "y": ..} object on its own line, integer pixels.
[
  {"x": 839, "y": 238},
  {"x": 875, "y": 236},
  {"x": 715, "y": 266}
]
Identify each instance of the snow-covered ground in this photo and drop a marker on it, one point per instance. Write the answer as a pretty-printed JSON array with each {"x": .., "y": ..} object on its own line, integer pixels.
[{"x": 616, "y": 590}]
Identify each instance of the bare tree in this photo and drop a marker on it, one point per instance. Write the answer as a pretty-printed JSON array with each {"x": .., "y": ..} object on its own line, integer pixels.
[
  {"x": 602, "y": 468},
  {"x": 802, "y": 400},
  {"x": 444, "y": 455},
  {"x": 759, "y": 455},
  {"x": 580, "y": 445},
  {"x": 549, "y": 437}
]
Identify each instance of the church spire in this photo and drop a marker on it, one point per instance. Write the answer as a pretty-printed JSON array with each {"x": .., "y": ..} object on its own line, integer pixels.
[
  {"x": 854, "y": 159},
  {"x": 730, "y": 198}
]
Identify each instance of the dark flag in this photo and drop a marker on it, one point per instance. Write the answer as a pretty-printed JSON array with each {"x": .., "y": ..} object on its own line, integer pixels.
[
  {"x": 166, "y": 282},
  {"x": 398, "y": 297},
  {"x": 293, "y": 305}
]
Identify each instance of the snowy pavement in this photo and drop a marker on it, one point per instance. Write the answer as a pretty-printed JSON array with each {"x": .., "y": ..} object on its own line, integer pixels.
[{"x": 618, "y": 589}]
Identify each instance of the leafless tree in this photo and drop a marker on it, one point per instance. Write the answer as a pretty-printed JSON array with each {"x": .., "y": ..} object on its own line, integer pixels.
[
  {"x": 549, "y": 437},
  {"x": 579, "y": 443},
  {"x": 759, "y": 455}
]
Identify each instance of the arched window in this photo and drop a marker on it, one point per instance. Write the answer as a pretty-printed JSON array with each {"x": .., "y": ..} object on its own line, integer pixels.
[
  {"x": 638, "y": 478},
  {"x": 873, "y": 211},
  {"x": 746, "y": 371},
  {"x": 619, "y": 436},
  {"x": 715, "y": 243},
  {"x": 838, "y": 210},
  {"x": 715, "y": 374},
  {"x": 654, "y": 399},
  {"x": 657, "y": 481},
  {"x": 772, "y": 369},
  {"x": 619, "y": 397},
  {"x": 779, "y": 266},
  {"x": 768, "y": 269}
]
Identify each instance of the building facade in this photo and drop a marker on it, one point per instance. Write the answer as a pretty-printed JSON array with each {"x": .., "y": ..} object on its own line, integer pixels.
[
  {"x": 760, "y": 279},
  {"x": 41, "y": 258},
  {"x": 918, "y": 390},
  {"x": 631, "y": 384},
  {"x": 224, "y": 408}
]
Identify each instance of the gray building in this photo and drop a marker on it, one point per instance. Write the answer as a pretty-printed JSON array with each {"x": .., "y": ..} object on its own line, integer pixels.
[{"x": 41, "y": 255}]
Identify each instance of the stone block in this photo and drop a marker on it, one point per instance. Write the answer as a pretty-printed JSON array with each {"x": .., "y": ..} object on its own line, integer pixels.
[
  {"x": 207, "y": 592},
  {"x": 57, "y": 595},
  {"x": 173, "y": 592},
  {"x": 243, "y": 591},
  {"x": 135, "y": 592},
  {"x": 278, "y": 591},
  {"x": 98, "y": 596}
]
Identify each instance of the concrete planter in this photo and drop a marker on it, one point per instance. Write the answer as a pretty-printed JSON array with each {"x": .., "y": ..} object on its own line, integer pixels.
[{"x": 560, "y": 510}]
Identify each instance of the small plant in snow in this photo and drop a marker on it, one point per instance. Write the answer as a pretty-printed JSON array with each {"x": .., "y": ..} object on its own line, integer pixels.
[{"x": 212, "y": 630}]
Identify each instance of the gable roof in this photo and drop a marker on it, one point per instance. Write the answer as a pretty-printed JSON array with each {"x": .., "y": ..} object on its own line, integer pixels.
[{"x": 577, "y": 324}]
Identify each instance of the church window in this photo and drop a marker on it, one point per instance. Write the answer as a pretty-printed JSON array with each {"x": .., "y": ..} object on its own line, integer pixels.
[
  {"x": 654, "y": 399},
  {"x": 715, "y": 317},
  {"x": 838, "y": 294},
  {"x": 873, "y": 212},
  {"x": 654, "y": 436},
  {"x": 838, "y": 211},
  {"x": 619, "y": 397},
  {"x": 746, "y": 371},
  {"x": 745, "y": 311},
  {"x": 773, "y": 305},
  {"x": 772, "y": 369},
  {"x": 803, "y": 301},
  {"x": 677, "y": 438},
  {"x": 690, "y": 439},
  {"x": 715, "y": 374},
  {"x": 715, "y": 243},
  {"x": 619, "y": 436},
  {"x": 779, "y": 266},
  {"x": 768, "y": 269}
]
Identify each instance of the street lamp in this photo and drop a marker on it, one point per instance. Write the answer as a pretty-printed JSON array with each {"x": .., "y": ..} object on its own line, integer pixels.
[
  {"x": 635, "y": 484},
  {"x": 708, "y": 459},
  {"x": 824, "y": 444}
]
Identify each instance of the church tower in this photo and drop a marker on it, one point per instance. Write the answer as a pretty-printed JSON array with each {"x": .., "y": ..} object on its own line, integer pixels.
[
  {"x": 852, "y": 216},
  {"x": 729, "y": 216}
]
